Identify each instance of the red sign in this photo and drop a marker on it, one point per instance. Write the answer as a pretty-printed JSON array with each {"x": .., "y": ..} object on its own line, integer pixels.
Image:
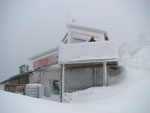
[{"x": 45, "y": 60}]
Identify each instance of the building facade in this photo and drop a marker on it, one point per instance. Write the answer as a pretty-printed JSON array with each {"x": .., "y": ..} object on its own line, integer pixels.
[
  {"x": 86, "y": 58},
  {"x": 77, "y": 63}
]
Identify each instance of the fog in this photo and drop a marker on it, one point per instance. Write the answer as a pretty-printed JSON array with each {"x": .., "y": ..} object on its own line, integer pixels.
[{"x": 28, "y": 27}]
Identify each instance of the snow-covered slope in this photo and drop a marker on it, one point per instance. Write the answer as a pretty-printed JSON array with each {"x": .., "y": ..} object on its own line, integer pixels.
[
  {"x": 127, "y": 87},
  {"x": 136, "y": 54},
  {"x": 129, "y": 96}
]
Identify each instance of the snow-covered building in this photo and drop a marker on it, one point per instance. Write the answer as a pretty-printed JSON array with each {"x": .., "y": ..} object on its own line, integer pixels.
[
  {"x": 18, "y": 82},
  {"x": 86, "y": 58},
  {"x": 77, "y": 63}
]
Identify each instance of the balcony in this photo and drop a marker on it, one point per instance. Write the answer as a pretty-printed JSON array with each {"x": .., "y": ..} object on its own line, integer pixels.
[{"x": 88, "y": 52}]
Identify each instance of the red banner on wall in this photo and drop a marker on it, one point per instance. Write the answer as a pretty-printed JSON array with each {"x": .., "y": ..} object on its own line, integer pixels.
[{"x": 45, "y": 60}]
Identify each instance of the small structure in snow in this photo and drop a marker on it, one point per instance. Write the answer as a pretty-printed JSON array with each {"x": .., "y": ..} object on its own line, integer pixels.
[{"x": 34, "y": 90}]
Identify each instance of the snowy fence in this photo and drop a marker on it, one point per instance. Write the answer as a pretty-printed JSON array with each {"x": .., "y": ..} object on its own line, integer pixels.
[{"x": 138, "y": 62}]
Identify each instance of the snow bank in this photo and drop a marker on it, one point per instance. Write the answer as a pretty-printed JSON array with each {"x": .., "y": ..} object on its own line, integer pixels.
[
  {"x": 129, "y": 96},
  {"x": 131, "y": 80}
]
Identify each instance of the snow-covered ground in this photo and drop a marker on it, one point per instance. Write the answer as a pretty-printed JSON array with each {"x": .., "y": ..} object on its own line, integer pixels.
[
  {"x": 135, "y": 83},
  {"x": 131, "y": 95}
]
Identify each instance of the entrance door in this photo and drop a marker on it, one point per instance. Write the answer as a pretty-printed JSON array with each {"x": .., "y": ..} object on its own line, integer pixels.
[
  {"x": 55, "y": 90},
  {"x": 55, "y": 87}
]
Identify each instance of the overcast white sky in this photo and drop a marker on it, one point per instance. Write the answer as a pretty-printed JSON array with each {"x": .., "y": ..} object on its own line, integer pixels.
[{"x": 28, "y": 27}]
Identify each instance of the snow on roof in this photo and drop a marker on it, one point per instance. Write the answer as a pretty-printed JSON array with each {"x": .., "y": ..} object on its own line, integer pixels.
[
  {"x": 44, "y": 53},
  {"x": 34, "y": 85},
  {"x": 86, "y": 28},
  {"x": 18, "y": 75}
]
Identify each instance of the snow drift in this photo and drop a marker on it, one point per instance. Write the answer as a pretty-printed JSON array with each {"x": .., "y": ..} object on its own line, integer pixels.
[{"x": 129, "y": 96}]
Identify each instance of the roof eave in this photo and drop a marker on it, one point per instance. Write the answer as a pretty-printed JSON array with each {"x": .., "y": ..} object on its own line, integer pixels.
[
  {"x": 43, "y": 53},
  {"x": 86, "y": 28}
]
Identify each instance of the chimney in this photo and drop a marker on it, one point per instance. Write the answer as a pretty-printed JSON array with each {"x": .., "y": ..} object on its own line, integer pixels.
[{"x": 24, "y": 68}]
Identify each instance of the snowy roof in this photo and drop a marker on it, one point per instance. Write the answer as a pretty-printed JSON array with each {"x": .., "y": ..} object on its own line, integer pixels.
[
  {"x": 16, "y": 76},
  {"x": 44, "y": 53},
  {"x": 86, "y": 28}
]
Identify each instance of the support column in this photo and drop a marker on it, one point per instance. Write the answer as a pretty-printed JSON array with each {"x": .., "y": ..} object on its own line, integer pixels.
[
  {"x": 62, "y": 82},
  {"x": 105, "y": 76},
  {"x": 94, "y": 77}
]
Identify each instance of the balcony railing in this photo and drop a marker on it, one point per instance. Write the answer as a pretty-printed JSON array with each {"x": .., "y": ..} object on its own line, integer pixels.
[{"x": 88, "y": 51}]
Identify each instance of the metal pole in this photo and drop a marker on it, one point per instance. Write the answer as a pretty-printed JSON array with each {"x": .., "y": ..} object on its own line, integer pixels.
[
  {"x": 105, "y": 76},
  {"x": 62, "y": 81}
]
